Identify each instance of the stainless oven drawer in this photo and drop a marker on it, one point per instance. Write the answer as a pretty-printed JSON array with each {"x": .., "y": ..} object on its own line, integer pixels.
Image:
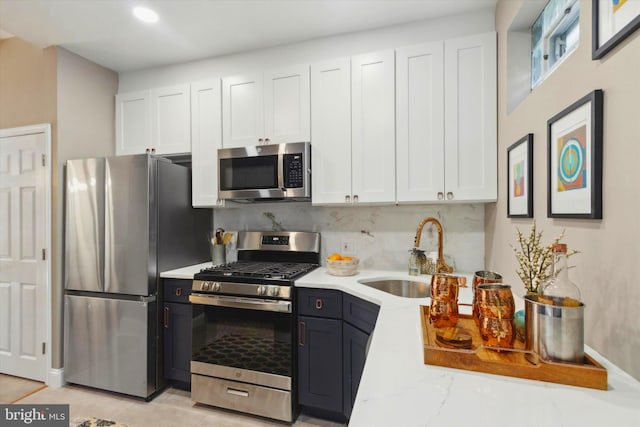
[
  {"x": 254, "y": 377},
  {"x": 252, "y": 399}
]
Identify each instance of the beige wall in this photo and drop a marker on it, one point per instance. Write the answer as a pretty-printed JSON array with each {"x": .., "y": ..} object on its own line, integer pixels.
[
  {"x": 86, "y": 128},
  {"x": 28, "y": 95},
  {"x": 27, "y": 84},
  {"x": 76, "y": 96},
  {"x": 607, "y": 269}
]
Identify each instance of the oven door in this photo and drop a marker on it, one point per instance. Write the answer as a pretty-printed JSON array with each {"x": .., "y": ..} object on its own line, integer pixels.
[{"x": 243, "y": 339}]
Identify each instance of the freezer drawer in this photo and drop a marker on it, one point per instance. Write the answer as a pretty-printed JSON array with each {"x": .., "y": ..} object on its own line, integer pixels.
[{"x": 110, "y": 344}]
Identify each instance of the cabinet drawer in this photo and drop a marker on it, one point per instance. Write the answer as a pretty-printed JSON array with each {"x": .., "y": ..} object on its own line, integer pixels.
[
  {"x": 360, "y": 313},
  {"x": 177, "y": 290},
  {"x": 320, "y": 302}
]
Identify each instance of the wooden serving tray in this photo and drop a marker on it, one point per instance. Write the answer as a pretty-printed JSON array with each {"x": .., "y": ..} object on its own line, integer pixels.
[{"x": 509, "y": 362}]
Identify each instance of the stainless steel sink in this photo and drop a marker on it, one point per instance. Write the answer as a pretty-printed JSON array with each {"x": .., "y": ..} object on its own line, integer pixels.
[{"x": 401, "y": 288}]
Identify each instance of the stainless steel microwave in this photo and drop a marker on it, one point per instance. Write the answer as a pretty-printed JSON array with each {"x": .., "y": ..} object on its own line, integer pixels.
[{"x": 265, "y": 172}]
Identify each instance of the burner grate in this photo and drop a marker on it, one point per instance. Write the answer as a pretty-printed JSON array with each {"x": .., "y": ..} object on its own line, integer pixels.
[{"x": 257, "y": 269}]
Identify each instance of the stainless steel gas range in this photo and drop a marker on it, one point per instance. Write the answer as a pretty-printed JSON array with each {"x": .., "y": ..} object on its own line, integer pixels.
[{"x": 243, "y": 354}]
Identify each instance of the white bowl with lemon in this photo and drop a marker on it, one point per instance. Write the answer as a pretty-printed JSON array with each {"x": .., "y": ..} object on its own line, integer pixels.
[{"x": 338, "y": 265}]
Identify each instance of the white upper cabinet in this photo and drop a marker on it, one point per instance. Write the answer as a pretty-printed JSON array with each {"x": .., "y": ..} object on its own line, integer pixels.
[
  {"x": 470, "y": 111},
  {"x": 331, "y": 131},
  {"x": 287, "y": 104},
  {"x": 352, "y": 130},
  {"x": 171, "y": 119},
  {"x": 242, "y": 110},
  {"x": 373, "y": 164},
  {"x": 420, "y": 122},
  {"x": 133, "y": 122},
  {"x": 206, "y": 139},
  {"x": 446, "y": 121},
  {"x": 266, "y": 108},
  {"x": 157, "y": 121}
]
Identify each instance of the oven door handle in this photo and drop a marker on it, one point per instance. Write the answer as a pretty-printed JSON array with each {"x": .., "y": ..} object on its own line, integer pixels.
[{"x": 237, "y": 302}]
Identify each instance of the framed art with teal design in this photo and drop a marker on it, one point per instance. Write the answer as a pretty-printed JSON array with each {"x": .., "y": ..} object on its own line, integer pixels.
[
  {"x": 612, "y": 22},
  {"x": 574, "y": 152},
  {"x": 520, "y": 178}
]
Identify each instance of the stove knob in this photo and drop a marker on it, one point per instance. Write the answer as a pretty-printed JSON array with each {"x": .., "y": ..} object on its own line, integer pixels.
[
  {"x": 216, "y": 286},
  {"x": 205, "y": 286},
  {"x": 275, "y": 291},
  {"x": 262, "y": 290}
]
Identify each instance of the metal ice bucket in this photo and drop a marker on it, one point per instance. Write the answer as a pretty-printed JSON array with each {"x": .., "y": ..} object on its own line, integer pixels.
[{"x": 554, "y": 332}]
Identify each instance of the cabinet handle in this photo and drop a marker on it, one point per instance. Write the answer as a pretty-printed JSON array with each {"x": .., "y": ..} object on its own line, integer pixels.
[
  {"x": 440, "y": 195},
  {"x": 178, "y": 292},
  {"x": 347, "y": 199},
  {"x": 301, "y": 333},
  {"x": 449, "y": 195},
  {"x": 237, "y": 392},
  {"x": 166, "y": 317},
  {"x": 318, "y": 304},
  {"x": 355, "y": 199}
]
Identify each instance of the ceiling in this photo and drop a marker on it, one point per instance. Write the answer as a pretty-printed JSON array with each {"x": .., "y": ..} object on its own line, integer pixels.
[{"x": 105, "y": 31}]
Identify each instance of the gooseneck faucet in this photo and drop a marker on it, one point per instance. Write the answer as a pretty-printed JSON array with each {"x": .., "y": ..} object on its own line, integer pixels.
[{"x": 441, "y": 266}]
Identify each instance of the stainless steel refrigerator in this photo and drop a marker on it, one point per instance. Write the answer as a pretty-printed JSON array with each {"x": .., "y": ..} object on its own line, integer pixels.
[{"x": 127, "y": 219}]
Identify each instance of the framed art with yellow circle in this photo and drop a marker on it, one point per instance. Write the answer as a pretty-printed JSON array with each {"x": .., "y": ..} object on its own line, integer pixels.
[{"x": 520, "y": 178}]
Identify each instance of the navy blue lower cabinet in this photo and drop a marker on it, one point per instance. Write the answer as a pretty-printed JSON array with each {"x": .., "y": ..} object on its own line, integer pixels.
[
  {"x": 354, "y": 353},
  {"x": 320, "y": 363},
  {"x": 177, "y": 342},
  {"x": 176, "y": 331}
]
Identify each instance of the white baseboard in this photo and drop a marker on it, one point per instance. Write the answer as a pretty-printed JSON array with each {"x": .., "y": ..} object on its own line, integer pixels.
[{"x": 55, "y": 378}]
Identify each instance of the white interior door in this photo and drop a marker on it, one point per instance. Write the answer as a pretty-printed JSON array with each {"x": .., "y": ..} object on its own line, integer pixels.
[{"x": 23, "y": 240}]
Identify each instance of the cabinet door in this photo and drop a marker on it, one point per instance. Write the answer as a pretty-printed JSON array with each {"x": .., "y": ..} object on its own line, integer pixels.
[
  {"x": 133, "y": 123},
  {"x": 242, "y": 110},
  {"x": 373, "y": 133},
  {"x": 171, "y": 119},
  {"x": 287, "y": 105},
  {"x": 177, "y": 341},
  {"x": 331, "y": 131},
  {"x": 471, "y": 118},
  {"x": 206, "y": 139},
  {"x": 354, "y": 354},
  {"x": 420, "y": 122},
  {"x": 320, "y": 363}
]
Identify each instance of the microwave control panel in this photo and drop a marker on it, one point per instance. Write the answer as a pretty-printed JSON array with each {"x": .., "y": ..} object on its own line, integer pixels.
[{"x": 293, "y": 171}]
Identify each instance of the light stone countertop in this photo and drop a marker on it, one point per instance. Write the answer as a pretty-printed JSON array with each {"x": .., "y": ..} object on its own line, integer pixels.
[
  {"x": 185, "y": 272},
  {"x": 398, "y": 389}
]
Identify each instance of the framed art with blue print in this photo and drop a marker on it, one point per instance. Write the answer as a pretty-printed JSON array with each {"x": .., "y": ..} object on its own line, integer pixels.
[{"x": 574, "y": 153}]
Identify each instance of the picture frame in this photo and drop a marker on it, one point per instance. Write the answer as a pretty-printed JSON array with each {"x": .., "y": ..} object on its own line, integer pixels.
[
  {"x": 612, "y": 22},
  {"x": 520, "y": 178},
  {"x": 574, "y": 159}
]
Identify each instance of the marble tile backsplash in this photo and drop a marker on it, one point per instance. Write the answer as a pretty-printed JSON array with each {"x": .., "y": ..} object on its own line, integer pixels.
[{"x": 381, "y": 236}]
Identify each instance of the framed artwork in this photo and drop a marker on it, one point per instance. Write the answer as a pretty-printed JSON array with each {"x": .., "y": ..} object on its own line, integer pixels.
[
  {"x": 520, "y": 178},
  {"x": 574, "y": 151},
  {"x": 613, "y": 21}
]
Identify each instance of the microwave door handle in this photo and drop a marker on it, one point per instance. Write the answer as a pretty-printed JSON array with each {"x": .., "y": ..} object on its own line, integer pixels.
[{"x": 281, "y": 173}]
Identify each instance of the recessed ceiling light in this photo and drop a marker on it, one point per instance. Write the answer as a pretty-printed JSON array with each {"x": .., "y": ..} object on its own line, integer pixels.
[{"x": 145, "y": 15}]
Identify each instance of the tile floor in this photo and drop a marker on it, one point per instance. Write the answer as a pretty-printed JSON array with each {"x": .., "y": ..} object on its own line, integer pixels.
[{"x": 171, "y": 408}]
